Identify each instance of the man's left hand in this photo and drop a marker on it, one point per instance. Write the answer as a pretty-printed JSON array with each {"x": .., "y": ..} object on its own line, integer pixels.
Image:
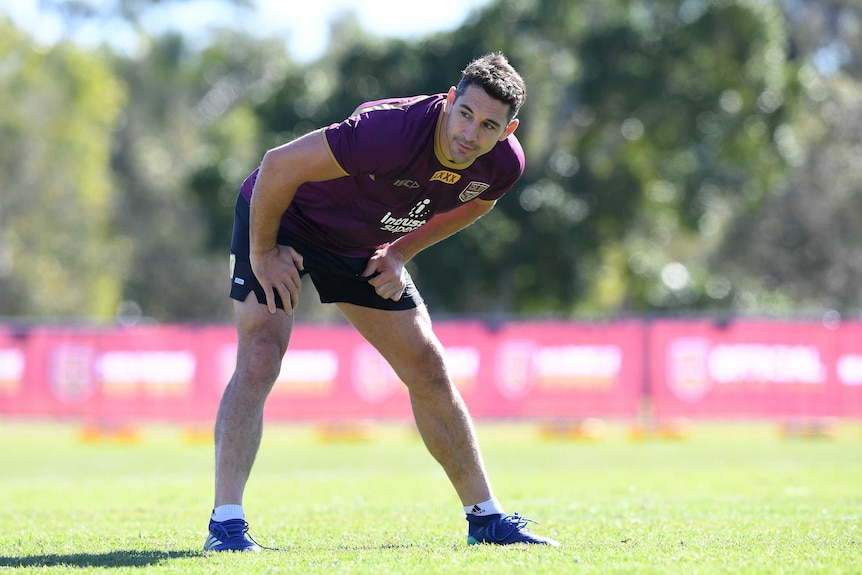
[{"x": 386, "y": 272}]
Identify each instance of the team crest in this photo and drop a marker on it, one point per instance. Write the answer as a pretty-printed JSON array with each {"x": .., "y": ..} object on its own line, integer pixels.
[
  {"x": 687, "y": 368},
  {"x": 472, "y": 190}
]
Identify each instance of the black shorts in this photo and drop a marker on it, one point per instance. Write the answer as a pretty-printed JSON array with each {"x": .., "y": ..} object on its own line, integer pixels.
[{"x": 337, "y": 278}]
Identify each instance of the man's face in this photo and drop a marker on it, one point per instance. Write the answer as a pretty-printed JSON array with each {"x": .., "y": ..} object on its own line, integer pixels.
[{"x": 474, "y": 123}]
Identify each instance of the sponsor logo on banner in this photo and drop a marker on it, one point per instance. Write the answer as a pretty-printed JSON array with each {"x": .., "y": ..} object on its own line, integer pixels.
[
  {"x": 152, "y": 373},
  {"x": 11, "y": 371},
  {"x": 849, "y": 369},
  {"x": 307, "y": 371},
  {"x": 472, "y": 190},
  {"x": 373, "y": 378},
  {"x": 70, "y": 376},
  {"x": 687, "y": 375},
  {"x": 514, "y": 364},
  {"x": 577, "y": 366},
  {"x": 694, "y": 366},
  {"x": 764, "y": 364},
  {"x": 463, "y": 365},
  {"x": 445, "y": 176},
  {"x": 303, "y": 371},
  {"x": 524, "y": 365}
]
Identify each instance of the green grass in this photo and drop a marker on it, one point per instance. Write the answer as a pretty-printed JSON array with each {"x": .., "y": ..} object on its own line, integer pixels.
[{"x": 729, "y": 499}]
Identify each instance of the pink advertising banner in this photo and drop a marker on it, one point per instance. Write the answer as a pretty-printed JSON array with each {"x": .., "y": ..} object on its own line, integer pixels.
[
  {"x": 539, "y": 370},
  {"x": 178, "y": 373},
  {"x": 756, "y": 369},
  {"x": 563, "y": 369}
]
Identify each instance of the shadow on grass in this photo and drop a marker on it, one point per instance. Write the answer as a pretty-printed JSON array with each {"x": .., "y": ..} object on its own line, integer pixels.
[
  {"x": 138, "y": 558},
  {"x": 134, "y": 558}
]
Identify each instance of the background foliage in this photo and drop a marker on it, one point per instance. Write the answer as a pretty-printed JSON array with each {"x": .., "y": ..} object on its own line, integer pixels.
[{"x": 696, "y": 156}]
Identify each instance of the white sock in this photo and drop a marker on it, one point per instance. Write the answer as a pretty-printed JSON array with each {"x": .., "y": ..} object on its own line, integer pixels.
[
  {"x": 225, "y": 512},
  {"x": 490, "y": 507}
]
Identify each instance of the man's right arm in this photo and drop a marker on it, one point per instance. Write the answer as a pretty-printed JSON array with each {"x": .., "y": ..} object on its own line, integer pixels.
[{"x": 283, "y": 170}]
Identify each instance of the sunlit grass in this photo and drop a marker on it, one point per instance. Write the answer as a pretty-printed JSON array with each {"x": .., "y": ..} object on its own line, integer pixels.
[{"x": 726, "y": 499}]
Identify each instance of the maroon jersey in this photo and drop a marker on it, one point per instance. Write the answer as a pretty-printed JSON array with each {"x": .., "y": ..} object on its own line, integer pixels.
[{"x": 396, "y": 177}]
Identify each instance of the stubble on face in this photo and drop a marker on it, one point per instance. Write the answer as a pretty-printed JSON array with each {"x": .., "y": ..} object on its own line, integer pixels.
[{"x": 475, "y": 122}]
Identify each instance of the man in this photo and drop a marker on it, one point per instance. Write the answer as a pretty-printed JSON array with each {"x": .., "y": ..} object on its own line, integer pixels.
[{"x": 350, "y": 205}]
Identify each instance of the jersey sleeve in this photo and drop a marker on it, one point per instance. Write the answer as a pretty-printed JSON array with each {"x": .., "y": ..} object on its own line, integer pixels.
[
  {"x": 370, "y": 142},
  {"x": 507, "y": 164}
]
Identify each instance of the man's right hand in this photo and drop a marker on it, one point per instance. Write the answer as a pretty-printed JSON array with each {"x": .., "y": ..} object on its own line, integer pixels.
[{"x": 277, "y": 270}]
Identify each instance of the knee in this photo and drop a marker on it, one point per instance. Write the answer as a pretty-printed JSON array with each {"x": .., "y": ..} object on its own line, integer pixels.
[
  {"x": 259, "y": 360},
  {"x": 426, "y": 372}
]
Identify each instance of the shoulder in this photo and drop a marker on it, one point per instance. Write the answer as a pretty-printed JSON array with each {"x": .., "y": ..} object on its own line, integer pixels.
[
  {"x": 493, "y": 174},
  {"x": 399, "y": 118},
  {"x": 508, "y": 155},
  {"x": 399, "y": 107},
  {"x": 384, "y": 132}
]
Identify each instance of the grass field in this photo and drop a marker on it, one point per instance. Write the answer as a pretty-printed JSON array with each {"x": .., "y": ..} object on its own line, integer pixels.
[{"x": 728, "y": 499}]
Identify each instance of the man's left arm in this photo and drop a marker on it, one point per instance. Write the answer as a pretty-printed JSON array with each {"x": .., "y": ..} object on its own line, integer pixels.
[{"x": 388, "y": 261}]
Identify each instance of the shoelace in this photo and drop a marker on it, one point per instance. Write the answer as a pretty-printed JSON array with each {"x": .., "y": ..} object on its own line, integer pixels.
[
  {"x": 223, "y": 533},
  {"x": 247, "y": 534},
  {"x": 519, "y": 520},
  {"x": 230, "y": 534},
  {"x": 507, "y": 525}
]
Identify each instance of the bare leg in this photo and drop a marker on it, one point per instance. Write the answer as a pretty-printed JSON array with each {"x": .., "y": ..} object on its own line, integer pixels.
[
  {"x": 263, "y": 339},
  {"x": 407, "y": 342}
]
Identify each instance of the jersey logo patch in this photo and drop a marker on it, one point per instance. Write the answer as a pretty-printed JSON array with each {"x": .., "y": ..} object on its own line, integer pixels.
[
  {"x": 410, "y": 184},
  {"x": 446, "y": 177},
  {"x": 413, "y": 221},
  {"x": 472, "y": 190}
]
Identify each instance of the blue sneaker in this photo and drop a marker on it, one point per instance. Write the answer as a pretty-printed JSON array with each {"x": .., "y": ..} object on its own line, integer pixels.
[
  {"x": 230, "y": 535},
  {"x": 503, "y": 530}
]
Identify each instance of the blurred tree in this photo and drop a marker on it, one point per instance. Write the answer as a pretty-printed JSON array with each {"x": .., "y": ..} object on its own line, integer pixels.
[
  {"x": 186, "y": 141},
  {"x": 74, "y": 12},
  {"x": 59, "y": 254},
  {"x": 647, "y": 126},
  {"x": 827, "y": 33},
  {"x": 657, "y": 134},
  {"x": 802, "y": 250}
]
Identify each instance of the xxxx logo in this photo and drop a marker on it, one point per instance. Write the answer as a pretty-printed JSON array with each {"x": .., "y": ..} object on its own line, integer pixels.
[{"x": 446, "y": 177}]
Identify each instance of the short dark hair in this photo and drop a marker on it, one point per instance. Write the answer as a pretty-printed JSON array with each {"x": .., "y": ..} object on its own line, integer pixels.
[{"x": 493, "y": 73}]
